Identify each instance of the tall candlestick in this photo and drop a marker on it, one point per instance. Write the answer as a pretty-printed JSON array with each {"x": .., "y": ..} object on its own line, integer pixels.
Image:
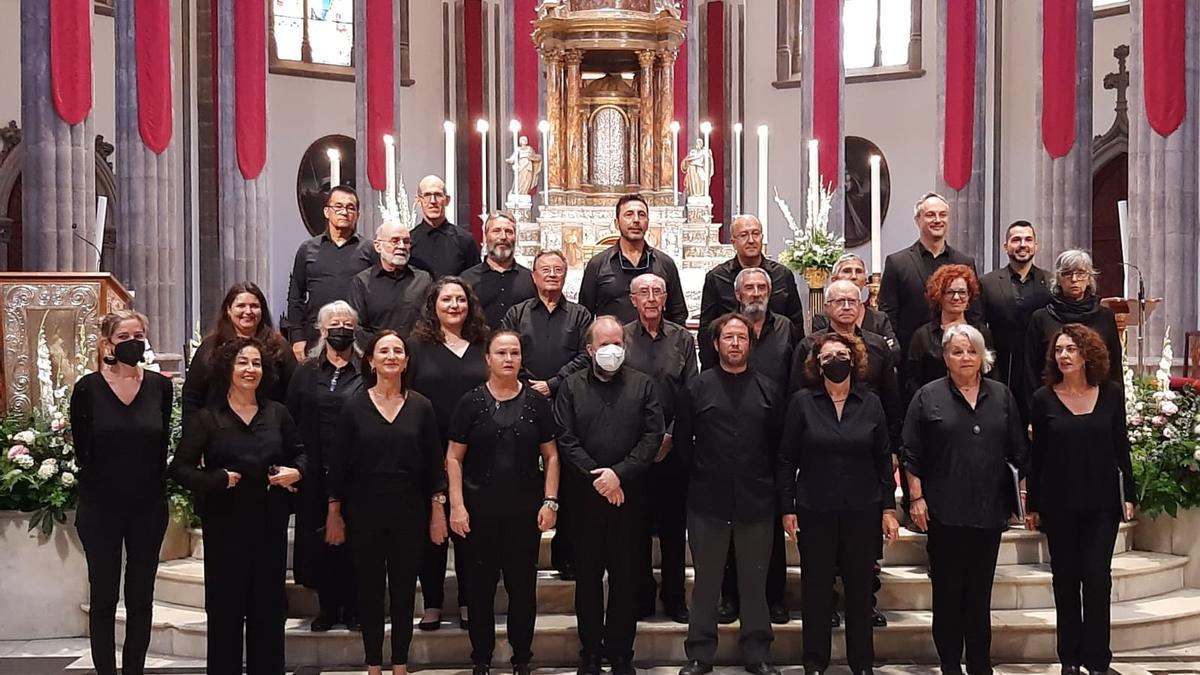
[
  {"x": 706, "y": 129},
  {"x": 449, "y": 170},
  {"x": 1123, "y": 224},
  {"x": 482, "y": 127},
  {"x": 737, "y": 168},
  {"x": 876, "y": 217},
  {"x": 335, "y": 167},
  {"x": 675, "y": 162},
  {"x": 389, "y": 146},
  {"x": 101, "y": 219},
  {"x": 544, "y": 130},
  {"x": 814, "y": 174},
  {"x": 762, "y": 179}
]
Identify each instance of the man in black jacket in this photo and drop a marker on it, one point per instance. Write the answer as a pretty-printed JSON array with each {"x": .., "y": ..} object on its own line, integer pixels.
[
  {"x": 439, "y": 246},
  {"x": 718, "y": 296}
]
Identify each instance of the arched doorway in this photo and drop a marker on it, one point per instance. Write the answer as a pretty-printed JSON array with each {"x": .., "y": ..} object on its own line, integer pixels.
[{"x": 1110, "y": 185}]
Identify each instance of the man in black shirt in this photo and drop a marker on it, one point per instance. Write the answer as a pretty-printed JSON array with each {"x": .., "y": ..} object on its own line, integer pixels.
[
  {"x": 1011, "y": 294},
  {"x": 324, "y": 266},
  {"x": 390, "y": 293},
  {"x": 612, "y": 427},
  {"x": 606, "y": 278},
  {"x": 727, "y": 431},
  {"x": 439, "y": 246},
  {"x": 667, "y": 353},
  {"x": 718, "y": 296},
  {"x": 499, "y": 282}
]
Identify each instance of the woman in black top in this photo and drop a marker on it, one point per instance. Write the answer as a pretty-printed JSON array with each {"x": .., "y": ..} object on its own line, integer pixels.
[
  {"x": 834, "y": 481},
  {"x": 961, "y": 435},
  {"x": 243, "y": 456},
  {"x": 950, "y": 291},
  {"x": 316, "y": 394},
  {"x": 385, "y": 470},
  {"x": 1080, "y": 486},
  {"x": 501, "y": 499},
  {"x": 121, "y": 425},
  {"x": 447, "y": 361},
  {"x": 1073, "y": 299},
  {"x": 244, "y": 313}
]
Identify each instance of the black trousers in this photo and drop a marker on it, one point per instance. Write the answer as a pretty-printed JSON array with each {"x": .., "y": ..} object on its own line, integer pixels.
[
  {"x": 507, "y": 544},
  {"x": 1081, "y": 546},
  {"x": 845, "y": 542},
  {"x": 562, "y": 545},
  {"x": 336, "y": 589},
  {"x": 104, "y": 530},
  {"x": 666, "y": 518},
  {"x": 245, "y": 572},
  {"x": 963, "y": 564},
  {"x": 711, "y": 541},
  {"x": 606, "y": 539},
  {"x": 386, "y": 547},
  {"x": 433, "y": 571},
  {"x": 776, "y": 571}
]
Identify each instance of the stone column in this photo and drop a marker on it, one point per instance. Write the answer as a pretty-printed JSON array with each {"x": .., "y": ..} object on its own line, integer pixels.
[
  {"x": 148, "y": 259},
  {"x": 1163, "y": 199},
  {"x": 574, "y": 122},
  {"x": 554, "y": 116},
  {"x": 368, "y": 197},
  {"x": 1064, "y": 184},
  {"x": 666, "y": 115},
  {"x": 58, "y": 174},
  {"x": 647, "y": 176}
]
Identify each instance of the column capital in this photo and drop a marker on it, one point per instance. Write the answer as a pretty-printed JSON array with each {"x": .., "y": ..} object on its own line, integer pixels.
[
  {"x": 666, "y": 57},
  {"x": 646, "y": 59},
  {"x": 573, "y": 57},
  {"x": 551, "y": 54}
]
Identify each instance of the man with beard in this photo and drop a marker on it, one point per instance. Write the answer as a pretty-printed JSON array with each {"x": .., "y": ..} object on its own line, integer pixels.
[
  {"x": 499, "y": 282},
  {"x": 718, "y": 296},
  {"x": 606, "y": 278},
  {"x": 1011, "y": 294},
  {"x": 390, "y": 293},
  {"x": 324, "y": 266},
  {"x": 439, "y": 246}
]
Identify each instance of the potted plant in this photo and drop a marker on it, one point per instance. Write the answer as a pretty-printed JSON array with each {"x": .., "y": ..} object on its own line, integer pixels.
[{"x": 812, "y": 250}]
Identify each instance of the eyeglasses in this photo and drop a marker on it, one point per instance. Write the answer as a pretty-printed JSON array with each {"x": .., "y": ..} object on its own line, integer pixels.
[
  {"x": 1076, "y": 275},
  {"x": 843, "y": 302},
  {"x": 397, "y": 242},
  {"x": 955, "y": 293},
  {"x": 433, "y": 196},
  {"x": 547, "y": 271},
  {"x": 651, "y": 293},
  {"x": 342, "y": 208},
  {"x": 748, "y": 234}
]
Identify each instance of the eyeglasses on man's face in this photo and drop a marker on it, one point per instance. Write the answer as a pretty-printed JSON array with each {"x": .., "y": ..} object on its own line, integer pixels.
[
  {"x": 651, "y": 292},
  {"x": 842, "y": 302},
  {"x": 754, "y": 235},
  {"x": 342, "y": 208},
  {"x": 433, "y": 196},
  {"x": 397, "y": 242}
]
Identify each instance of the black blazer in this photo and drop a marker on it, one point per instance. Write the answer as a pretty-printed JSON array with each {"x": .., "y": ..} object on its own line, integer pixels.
[
  {"x": 1007, "y": 319},
  {"x": 902, "y": 288}
]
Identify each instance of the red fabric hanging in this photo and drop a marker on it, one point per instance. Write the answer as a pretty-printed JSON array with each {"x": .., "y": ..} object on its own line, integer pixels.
[
  {"x": 1059, "y": 75},
  {"x": 960, "y": 93},
  {"x": 152, "y": 31},
  {"x": 381, "y": 102},
  {"x": 473, "y": 59},
  {"x": 715, "y": 65},
  {"x": 526, "y": 75},
  {"x": 71, "y": 59},
  {"x": 1164, "y": 42},
  {"x": 826, "y": 93},
  {"x": 250, "y": 85},
  {"x": 680, "y": 106}
]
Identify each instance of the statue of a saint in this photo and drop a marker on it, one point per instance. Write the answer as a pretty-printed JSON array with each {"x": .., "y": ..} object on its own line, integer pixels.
[
  {"x": 697, "y": 170},
  {"x": 526, "y": 165}
]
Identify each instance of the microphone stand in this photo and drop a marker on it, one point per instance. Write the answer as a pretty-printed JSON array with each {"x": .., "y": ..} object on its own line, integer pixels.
[
  {"x": 80, "y": 237},
  {"x": 1141, "y": 322}
]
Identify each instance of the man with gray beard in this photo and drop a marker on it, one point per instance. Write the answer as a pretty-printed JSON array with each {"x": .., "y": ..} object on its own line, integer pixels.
[
  {"x": 390, "y": 293},
  {"x": 499, "y": 282}
]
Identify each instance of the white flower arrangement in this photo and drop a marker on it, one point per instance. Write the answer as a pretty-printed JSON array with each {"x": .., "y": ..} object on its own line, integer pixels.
[
  {"x": 403, "y": 211},
  {"x": 812, "y": 246},
  {"x": 67, "y": 479}
]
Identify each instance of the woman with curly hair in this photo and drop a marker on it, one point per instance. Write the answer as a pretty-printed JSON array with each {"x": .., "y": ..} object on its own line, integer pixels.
[
  {"x": 949, "y": 292},
  {"x": 448, "y": 346},
  {"x": 1080, "y": 486}
]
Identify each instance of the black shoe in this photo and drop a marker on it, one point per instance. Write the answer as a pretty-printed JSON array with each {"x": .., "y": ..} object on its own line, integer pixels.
[
  {"x": 480, "y": 669},
  {"x": 813, "y": 671},
  {"x": 835, "y": 619},
  {"x": 727, "y": 613},
  {"x": 878, "y": 620},
  {"x": 430, "y": 625},
  {"x": 623, "y": 665},
  {"x": 678, "y": 614},
  {"x": 464, "y": 624},
  {"x": 780, "y": 614},
  {"x": 353, "y": 623},
  {"x": 1070, "y": 670},
  {"x": 1096, "y": 671},
  {"x": 566, "y": 573},
  {"x": 321, "y": 624},
  {"x": 589, "y": 664},
  {"x": 762, "y": 669},
  {"x": 695, "y": 667},
  {"x": 522, "y": 669}
]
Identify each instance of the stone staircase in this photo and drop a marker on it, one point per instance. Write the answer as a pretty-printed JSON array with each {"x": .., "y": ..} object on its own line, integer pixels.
[{"x": 1150, "y": 608}]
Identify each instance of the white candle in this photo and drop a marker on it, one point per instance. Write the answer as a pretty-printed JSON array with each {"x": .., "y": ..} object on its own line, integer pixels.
[
  {"x": 335, "y": 167},
  {"x": 737, "y": 168},
  {"x": 101, "y": 219},
  {"x": 675, "y": 162},
  {"x": 514, "y": 127},
  {"x": 814, "y": 174},
  {"x": 876, "y": 217},
  {"x": 482, "y": 127},
  {"x": 706, "y": 129},
  {"x": 449, "y": 171},
  {"x": 1123, "y": 222},
  {"x": 544, "y": 130},
  {"x": 762, "y": 179},
  {"x": 389, "y": 146}
]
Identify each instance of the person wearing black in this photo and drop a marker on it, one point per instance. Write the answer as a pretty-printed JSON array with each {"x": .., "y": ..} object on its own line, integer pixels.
[
  {"x": 850, "y": 267},
  {"x": 389, "y": 294},
  {"x": 320, "y": 388},
  {"x": 242, "y": 456},
  {"x": 611, "y": 427},
  {"x": 1080, "y": 486},
  {"x": 718, "y": 295},
  {"x": 121, "y": 425},
  {"x": 324, "y": 266},
  {"x": 440, "y": 247},
  {"x": 905, "y": 273},
  {"x": 501, "y": 499},
  {"x": 446, "y": 361},
  {"x": 386, "y": 470},
  {"x": 1011, "y": 294},
  {"x": 1073, "y": 299},
  {"x": 962, "y": 440},
  {"x": 727, "y": 431},
  {"x": 605, "y": 285},
  {"x": 499, "y": 281},
  {"x": 950, "y": 291},
  {"x": 243, "y": 314},
  {"x": 835, "y": 479},
  {"x": 667, "y": 353}
]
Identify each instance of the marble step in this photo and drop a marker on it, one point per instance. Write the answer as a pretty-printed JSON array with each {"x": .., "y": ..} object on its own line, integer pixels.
[
  {"x": 1017, "y": 547},
  {"x": 1136, "y": 575},
  {"x": 1017, "y": 634}
]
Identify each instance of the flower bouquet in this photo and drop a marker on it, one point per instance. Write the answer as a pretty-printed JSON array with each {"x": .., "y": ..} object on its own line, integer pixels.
[{"x": 812, "y": 250}]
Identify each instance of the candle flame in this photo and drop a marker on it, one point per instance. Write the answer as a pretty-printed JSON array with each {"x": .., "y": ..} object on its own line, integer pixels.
[
  {"x": 544, "y": 126},
  {"x": 514, "y": 126},
  {"x": 482, "y": 126},
  {"x": 448, "y": 126},
  {"x": 762, "y": 130},
  {"x": 333, "y": 154},
  {"x": 737, "y": 128},
  {"x": 674, "y": 127},
  {"x": 388, "y": 139},
  {"x": 706, "y": 127}
]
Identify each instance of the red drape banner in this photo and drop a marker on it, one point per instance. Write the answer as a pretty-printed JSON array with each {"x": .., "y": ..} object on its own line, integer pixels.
[
  {"x": 250, "y": 85},
  {"x": 1164, "y": 43},
  {"x": 715, "y": 63},
  {"x": 473, "y": 58},
  {"x": 826, "y": 92},
  {"x": 960, "y": 93},
  {"x": 381, "y": 103},
  {"x": 526, "y": 75},
  {"x": 71, "y": 59},
  {"x": 152, "y": 30},
  {"x": 1059, "y": 75},
  {"x": 680, "y": 106}
]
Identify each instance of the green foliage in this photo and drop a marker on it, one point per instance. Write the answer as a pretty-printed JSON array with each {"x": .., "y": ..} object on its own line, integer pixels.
[{"x": 1164, "y": 431}]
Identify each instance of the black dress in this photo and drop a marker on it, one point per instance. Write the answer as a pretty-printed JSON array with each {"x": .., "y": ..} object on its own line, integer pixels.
[
  {"x": 197, "y": 389},
  {"x": 122, "y": 454}
]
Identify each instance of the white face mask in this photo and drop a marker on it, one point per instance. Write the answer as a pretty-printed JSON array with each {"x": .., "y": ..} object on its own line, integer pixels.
[{"x": 610, "y": 357}]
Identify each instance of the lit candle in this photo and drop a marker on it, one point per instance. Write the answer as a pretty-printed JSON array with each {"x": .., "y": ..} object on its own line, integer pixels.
[
  {"x": 706, "y": 129},
  {"x": 451, "y": 178},
  {"x": 335, "y": 167},
  {"x": 544, "y": 130},
  {"x": 675, "y": 162},
  {"x": 762, "y": 178},
  {"x": 814, "y": 174},
  {"x": 737, "y": 168},
  {"x": 482, "y": 127},
  {"x": 389, "y": 146},
  {"x": 876, "y": 217}
]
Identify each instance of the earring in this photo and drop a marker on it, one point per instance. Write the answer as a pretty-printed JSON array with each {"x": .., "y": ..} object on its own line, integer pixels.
[{"x": 110, "y": 359}]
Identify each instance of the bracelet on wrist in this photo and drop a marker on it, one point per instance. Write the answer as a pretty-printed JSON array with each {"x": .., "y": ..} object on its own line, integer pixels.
[
  {"x": 550, "y": 499},
  {"x": 914, "y": 500}
]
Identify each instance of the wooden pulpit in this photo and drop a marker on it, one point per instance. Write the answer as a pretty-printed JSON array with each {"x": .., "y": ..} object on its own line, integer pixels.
[{"x": 49, "y": 326}]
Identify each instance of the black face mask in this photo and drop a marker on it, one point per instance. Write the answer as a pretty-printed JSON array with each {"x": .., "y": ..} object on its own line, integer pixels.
[
  {"x": 130, "y": 352},
  {"x": 836, "y": 370},
  {"x": 340, "y": 338}
]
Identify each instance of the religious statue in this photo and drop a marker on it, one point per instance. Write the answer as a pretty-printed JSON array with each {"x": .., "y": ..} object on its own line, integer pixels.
[
  {"x": 697, "y": 170},
  {"x": 670, "y": 6},
  {"x": 526, "y": 165}
]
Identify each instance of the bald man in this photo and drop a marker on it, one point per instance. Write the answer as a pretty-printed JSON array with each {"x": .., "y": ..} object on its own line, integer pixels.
[{"x": 439, "y": 246}]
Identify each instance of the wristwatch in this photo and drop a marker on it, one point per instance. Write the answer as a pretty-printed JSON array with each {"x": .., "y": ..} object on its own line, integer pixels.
[
  {"x": 439, "y": 498},
  {"x": 552, "y": 503}
]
